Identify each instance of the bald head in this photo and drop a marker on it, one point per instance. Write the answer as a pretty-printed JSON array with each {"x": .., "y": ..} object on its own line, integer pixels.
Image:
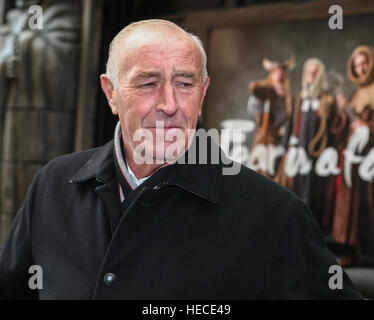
[
  {"x": 156, "y": 74},
  {"x": 146, "y": 33}
]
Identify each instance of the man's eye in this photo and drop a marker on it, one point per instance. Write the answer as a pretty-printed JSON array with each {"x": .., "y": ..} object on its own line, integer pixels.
[
  {"x": 184, "y": 85},
  {"x": 149, "y": 84}
]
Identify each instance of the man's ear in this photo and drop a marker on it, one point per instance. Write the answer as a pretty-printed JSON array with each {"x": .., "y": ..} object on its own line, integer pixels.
[
  {"x": 205, "y": 88},
  {"x": 110, "y": 93}
]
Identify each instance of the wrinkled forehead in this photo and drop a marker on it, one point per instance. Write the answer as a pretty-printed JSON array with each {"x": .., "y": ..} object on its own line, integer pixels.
[{"x": 147, "y": 47}]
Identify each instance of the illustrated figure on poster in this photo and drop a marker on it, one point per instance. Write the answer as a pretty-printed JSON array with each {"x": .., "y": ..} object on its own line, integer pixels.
[
  {"x": 270, "y": 107},
  {"x": 313, "y": 114},
  {"x": 353, "y": 225}
]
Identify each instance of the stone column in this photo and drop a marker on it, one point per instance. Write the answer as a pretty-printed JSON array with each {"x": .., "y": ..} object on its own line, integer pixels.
[{"x": 39, "y": 76}]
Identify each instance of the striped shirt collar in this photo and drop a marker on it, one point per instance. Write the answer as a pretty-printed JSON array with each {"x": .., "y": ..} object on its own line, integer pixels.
[{"x": 126, "y": 171}]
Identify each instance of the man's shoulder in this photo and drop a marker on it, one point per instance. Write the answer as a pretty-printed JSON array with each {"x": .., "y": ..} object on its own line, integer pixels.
[
  {"x": 254, "y": 189},
  {"x": 259, "y": 203},
  {"x": 249, "y": 180},
  {"x": 74, "y": 157},
  {"x": 72, "y": 160},
  {"x": 66, "y": 166}
]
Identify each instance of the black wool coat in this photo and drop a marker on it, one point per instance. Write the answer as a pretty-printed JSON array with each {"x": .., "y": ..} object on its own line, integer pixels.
[{"x": 197, "y": 235}]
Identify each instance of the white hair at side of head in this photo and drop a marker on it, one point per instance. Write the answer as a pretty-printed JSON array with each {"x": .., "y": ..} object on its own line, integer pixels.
[
  {"x": 112, "y": 66},
  {"x": 203, "y": 54},
  {"x": 320, "y": 84}
]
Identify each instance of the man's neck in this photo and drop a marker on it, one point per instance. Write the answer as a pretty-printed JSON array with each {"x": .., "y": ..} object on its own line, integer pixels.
[{"x": 143, "y": 170}]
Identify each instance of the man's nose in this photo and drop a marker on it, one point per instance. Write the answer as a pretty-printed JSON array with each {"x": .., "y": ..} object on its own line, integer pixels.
[{"x": 167, "y": 101}]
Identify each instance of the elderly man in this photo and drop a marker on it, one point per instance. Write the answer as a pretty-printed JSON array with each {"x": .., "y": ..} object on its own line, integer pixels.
[{"x": 129, "y": 221}]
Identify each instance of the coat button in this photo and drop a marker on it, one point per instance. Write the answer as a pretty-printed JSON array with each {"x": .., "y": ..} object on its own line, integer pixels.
[
  {"x": 99, "y": 180},
  {"x": 110, "y": 279}
]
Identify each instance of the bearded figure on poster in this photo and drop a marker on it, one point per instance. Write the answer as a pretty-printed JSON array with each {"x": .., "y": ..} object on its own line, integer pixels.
[{"x": 311, "y": 121}]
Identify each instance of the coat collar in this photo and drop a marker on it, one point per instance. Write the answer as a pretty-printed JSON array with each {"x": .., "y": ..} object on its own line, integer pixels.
[
  {"x": 100, "y": 166},
  {"x": 203, "y": 180}
]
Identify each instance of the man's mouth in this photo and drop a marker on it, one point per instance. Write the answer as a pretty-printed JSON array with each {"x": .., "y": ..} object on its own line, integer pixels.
[{"x": 164, "y": 127}]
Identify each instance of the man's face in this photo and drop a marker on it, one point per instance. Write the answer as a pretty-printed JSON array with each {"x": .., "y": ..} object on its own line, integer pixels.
[
  {"x": 159, "y": 84},
  {"x": 361, "y": 65},
  {"x": 311, "y": 73}
]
